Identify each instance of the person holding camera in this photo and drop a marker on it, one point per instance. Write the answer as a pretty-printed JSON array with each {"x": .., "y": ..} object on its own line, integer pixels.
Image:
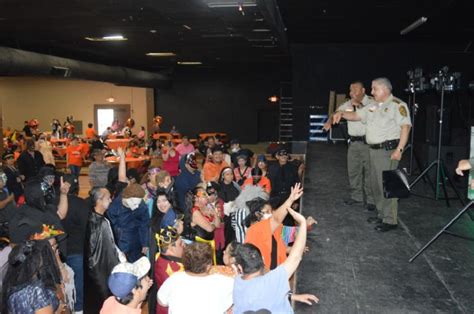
[
  {"x": 170, "y": 159},
  {"x": 388, "y": 127}
]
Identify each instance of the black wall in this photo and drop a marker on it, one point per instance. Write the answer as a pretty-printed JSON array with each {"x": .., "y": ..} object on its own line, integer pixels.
[
  {"x": 317, "y": 69},
  {"x": 231, "y": 100}
]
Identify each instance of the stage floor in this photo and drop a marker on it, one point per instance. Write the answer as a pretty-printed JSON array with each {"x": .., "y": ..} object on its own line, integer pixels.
[{"x": 354, "y": 269}]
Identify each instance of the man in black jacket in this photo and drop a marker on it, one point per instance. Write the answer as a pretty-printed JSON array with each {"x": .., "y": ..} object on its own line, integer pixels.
[
  {"x": 283, "y": 175},
  {"x": 75, "y": 226},
  {"x": 101, "y": 253},
  {"x": 30, "y": 161}
]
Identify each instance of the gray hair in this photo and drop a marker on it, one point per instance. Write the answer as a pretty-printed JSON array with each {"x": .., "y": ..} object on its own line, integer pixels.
[{"x": 383, "y": 81}]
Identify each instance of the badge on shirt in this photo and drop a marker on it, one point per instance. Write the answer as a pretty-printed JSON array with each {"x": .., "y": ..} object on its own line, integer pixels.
[
  {"x": 386, "y": 110},
  {"x": 403, "y": 111},
  {"x": 373, "y": 108}
]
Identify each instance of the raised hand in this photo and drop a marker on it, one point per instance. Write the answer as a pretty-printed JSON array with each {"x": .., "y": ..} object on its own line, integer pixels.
[
  {"x": 64, "y": 186},
  {"x": 297, "y": 217},
  {"x": 296, "y": 192},
  {"x": 120, "y": 152}
]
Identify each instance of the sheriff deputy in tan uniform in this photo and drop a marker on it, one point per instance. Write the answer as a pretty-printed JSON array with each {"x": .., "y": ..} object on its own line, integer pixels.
[
  {"x": 388, "y": 127},
  {"x": 358, "y": 167}
]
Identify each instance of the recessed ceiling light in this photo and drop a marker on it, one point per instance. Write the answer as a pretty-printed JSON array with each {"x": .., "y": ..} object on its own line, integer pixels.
[
  {"x": 107, "y": 38},
  {"x": 189, "y": 62},
  {"x": 187, "y": 27},
  {"x": 231, "y": 5},
  {"x": 153, "y": 31},
  {"x": 261, "y": 30},
  {"x": 161, "y": 54}
]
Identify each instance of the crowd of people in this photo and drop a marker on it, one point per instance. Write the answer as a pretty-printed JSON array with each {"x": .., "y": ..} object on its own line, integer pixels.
[{"x": 219, "y": 236}]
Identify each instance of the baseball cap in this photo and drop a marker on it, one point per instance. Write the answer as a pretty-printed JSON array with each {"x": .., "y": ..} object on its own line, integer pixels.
[
  {"x": 282, "y": 152},
  {"x": 218, "y": 148},
  {"x": 261, "y": 157},
  {"x": 125, "y": 276}
]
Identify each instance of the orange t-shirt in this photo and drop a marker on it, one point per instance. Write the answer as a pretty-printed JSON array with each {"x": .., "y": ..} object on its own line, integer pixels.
[
  {"x": 85, "y": 148},
  {"x": 264, "y": 183},
  {"x": 260, "y": 235},
  {"x": 74, "y": 155},
  {"x": 90, "y": 133},
  {"x": 212, "y": 171}
]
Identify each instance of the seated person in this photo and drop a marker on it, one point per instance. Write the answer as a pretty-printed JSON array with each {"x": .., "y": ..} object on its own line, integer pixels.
[
  {"x": 212, "y": 169},
  {"x": 258, "y": 179},
  {"x": 283, "y": 174},
  {"x": 236, "y": 151},
  {"x": 242, "y": 171}
]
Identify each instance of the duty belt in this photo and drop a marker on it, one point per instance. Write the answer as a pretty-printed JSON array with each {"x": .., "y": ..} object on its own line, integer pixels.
[
  {"x": 388, "y": 145},
  {"x": 357, "y": 138}
]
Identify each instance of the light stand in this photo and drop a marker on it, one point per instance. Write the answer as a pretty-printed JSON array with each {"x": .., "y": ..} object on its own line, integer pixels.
[
  {"x": 445, "y": 230},
  {"x": 441, "y": 173},
  {"x": 413, "y": 111}
]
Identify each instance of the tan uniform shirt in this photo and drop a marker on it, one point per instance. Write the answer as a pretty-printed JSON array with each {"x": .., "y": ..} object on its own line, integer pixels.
[
  {"x": 384, "y": 120},
  {"x": 356, "y": 128}
]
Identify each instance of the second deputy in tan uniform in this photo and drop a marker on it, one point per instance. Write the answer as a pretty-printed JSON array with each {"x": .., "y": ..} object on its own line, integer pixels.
[
  {"x": 388, "y": 127},
  {"x": 358, "y": 168}
]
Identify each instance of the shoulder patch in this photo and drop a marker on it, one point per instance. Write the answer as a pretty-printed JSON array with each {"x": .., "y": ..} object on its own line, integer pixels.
[{"x": 403, "y": 111}]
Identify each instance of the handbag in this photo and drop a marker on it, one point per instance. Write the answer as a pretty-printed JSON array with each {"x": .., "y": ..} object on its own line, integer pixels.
[{"x": 395, "y": 184}]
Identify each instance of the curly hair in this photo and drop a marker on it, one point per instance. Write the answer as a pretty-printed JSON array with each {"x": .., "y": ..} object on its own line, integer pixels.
[{"x": 197, "y": 257}]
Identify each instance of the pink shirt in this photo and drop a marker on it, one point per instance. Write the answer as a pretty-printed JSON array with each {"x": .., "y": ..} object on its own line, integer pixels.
[
  {"x": 112, "y": 306},
  {"x": 183, "y": 150},
  {"x": 172, "y": 164}
]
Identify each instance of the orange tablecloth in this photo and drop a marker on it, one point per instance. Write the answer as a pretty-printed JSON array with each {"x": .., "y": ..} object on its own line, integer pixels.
[
  {"x": 178, "y": 141},
  {"x": 204, "y": 135},
  {"x": 132, "y": 162},
  {"x": 116, "y": 143}
]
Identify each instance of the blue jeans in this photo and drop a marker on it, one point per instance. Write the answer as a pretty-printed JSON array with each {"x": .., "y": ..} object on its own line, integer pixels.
[
  {"x": 76, "y": 263},
  {"x": 75, "y": 170}
]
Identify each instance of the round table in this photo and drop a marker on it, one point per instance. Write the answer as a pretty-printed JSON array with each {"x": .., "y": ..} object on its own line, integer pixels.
[
  {"x": 116, "y": 143},
  {"x": 132, "y": 162}
]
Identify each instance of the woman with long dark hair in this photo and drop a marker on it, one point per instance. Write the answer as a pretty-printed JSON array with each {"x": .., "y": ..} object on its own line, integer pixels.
[{"x": 34, "y": 282}]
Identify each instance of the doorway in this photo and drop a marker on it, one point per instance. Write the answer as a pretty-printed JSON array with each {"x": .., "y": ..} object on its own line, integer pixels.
[{"x": 105, "y": 115}]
